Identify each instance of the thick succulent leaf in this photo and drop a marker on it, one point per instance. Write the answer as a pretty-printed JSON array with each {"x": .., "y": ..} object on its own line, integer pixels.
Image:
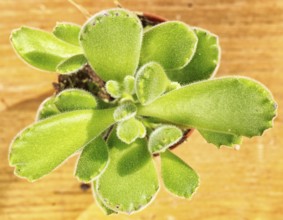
[
  {"x": 178, "y": 177},
  {"x": 204, "y": 62},
  {"x": 163, "y": 137},
  {"x": 129, "y": 85},
  {"x": 112, "y": 42},
  {"x": 219, "y": 139},
  {"x": 231, "y": 105},
  {"x": 128, "y": 131},
  {"x": 125, "y": 111},
  {"x": 132, "y": 171},
  {"x": 172, "y": 44},
  {"x": 68, "y": 100},
  {"x": 114, "y": 88},
  {"x": 99, "y": 202},
  {"x": 71, "y": 64},
  {"x": 93, "y": 160},
  {"x": 68, "y": 32},
  {"x": 47, "y": 109},
  {"x": 151, "y": 82},
  {"x": 41, "y": 147},
  {"x": 75, "y": 99},
  {"x": 42, "y": 49}
]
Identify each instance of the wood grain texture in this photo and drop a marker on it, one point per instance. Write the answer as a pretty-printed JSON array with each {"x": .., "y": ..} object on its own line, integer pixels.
[{"x": 235, "y": 185}]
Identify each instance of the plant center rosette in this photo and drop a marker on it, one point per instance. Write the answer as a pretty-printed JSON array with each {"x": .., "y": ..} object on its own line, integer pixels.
[{"x": 152, "y": 83}]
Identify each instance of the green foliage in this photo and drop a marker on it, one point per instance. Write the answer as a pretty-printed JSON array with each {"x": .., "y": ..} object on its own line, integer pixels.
[
  {"x": 159, "y": 81},
  {"x": 100, "y": 203},
  {"x": 219, "y": 139},
  {"x": 231, "y": 105},
  {"x": 130, "y": 182},
  {"x": 172, "y": 44},
  {"x": 125, "y": 111},
  {"x": 93, "y": 160},
  {"x": 68, "y": 32},
  {"x": 129, "y": 85},
  {"x": 164, "y": 137},
  {"x": 74, "y": 99},
  {"x": 42, "y": 49},
  {"x": 128, "y": 131},
  {"x": 151, "y": 82},
  {"x": 178, "y": 177},
  {"x": 204, "y": 62},
  {"x": 113, "y": 88},
  {"x": 115, "y": 28},
  {"x": 42, "y": 147},
  {"x": 47, "y": 109},
  {"x": 71, "y": 64}
]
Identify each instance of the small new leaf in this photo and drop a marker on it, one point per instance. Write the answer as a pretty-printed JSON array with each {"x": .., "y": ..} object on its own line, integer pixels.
[
  {"x": 151, "y": 82},
  {"x": 125, "y": 111},
  {"x": 114, "y": 89},
  {"x": 163, "y": 137},
  {"x": 129, "y": 85},
  {"x": 128, "y": 131},
  {"x": 178, "y": 177}
]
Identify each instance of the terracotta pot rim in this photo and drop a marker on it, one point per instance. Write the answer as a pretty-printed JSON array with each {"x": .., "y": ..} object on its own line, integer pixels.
[{"x": 154, "y": 17}]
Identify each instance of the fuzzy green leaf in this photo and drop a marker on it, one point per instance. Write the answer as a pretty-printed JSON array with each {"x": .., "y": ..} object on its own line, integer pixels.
[
  {"x": 75, "y": 99},
  {"x": 43, "y": 146},
  {"x": 114, "y": 89},
  {"x": 42, "y": 49},
  {"x": 231, "y": 105},
  {"x": 125, "y": 111},
  {"x": 99, "y": 202},
  {"x": 151, "y": 82},
  {"x": 47, "y": 109},
  {"x": 68, "y": 100},
  {"x": 172, "y": 44},
  {"x": 128, "y": 131},
  {"x": 68, "y": 32},
  {"x": 204, "y": 62},
  {"x": 71, "y": 64},
  {"x": 93, "y": 160},
  {"x": 132, "y": 171},
  {"x": 129, "y": 85},
  {"x": 178, "y": 177},
  {"x": 112, "y": 42},
  {"x": 163, "y": 137},
  {"x": 219, "y": 139}
]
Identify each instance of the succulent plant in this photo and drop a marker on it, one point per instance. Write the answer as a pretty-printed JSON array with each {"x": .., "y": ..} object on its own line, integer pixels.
[{"x": 158, "y": 80}]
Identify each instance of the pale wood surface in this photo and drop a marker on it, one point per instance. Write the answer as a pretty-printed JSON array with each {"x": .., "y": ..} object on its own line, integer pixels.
[{"x": 245, "y": 184}]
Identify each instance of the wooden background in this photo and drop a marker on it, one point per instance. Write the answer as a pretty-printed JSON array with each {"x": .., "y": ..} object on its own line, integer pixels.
[{"x": 245, "y": 184}]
